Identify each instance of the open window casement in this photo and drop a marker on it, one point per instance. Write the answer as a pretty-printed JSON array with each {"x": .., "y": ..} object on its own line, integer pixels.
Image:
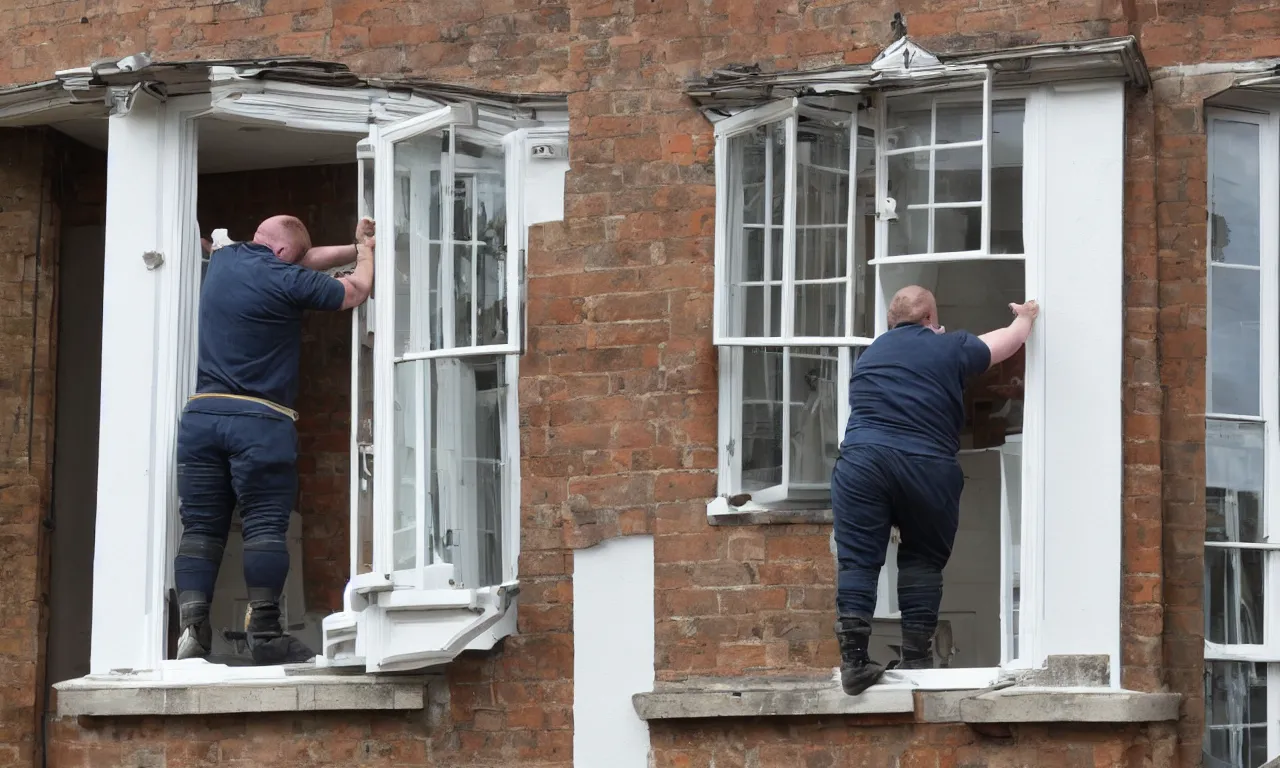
[
  {"x": 788, "y": 293},
  {"x": 935, "y": 156},
  {"x": 434, "y": 568}
]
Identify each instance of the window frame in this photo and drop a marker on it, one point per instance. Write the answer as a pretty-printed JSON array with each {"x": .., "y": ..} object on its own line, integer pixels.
[
  {"x": 427, "y": 579},
  {"x": 152, "y": 169},
  {"x": 1267, "y": 121},
  {"x": 1057, "y": 114}
]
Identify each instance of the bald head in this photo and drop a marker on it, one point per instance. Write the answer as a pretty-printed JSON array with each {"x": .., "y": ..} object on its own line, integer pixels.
[
  {"x": 913, "y": 304},
  {"x": 286, "y": 236}
]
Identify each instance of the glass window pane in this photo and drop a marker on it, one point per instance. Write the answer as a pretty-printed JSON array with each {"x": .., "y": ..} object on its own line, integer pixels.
[
  {"x": 820, "y": 309},
  {"x": 1234, "y": 340},
  {"x": 758, "y": 310},
  {"x": 761, "y": 428},
  {"x": 450, "y": 433},
  {"x": 417, "y": 211},
  {"x": 1234, "y": 473},
  {"x": 407, "y": 456},
  {"x": 957, "y": 229},
  {"x": 908, "y": 179},
  {"x": 363, "y": 426},
  {"x": 959, "y": 122},
  {"x": 366, "y": 186},
  {"x": 480, "y": 244},
  {"x": 958, "y": 176},
  {"x": 1007, "y": 124},
  {"x": 753, "y": 254},
  {"x": 1233, "y": 595},
  {"x": 909, "y": 122},
  {"x": 822, "y": 172},
  {"x": 778, "y": 175},
  {"x": 821, "y": 252},
  {"x": 469, "y": 470},
  {"x": 909, "y": 233},
  {"x": 1233, "y": 191},
  {"x": 1235, "y": 696},
  {"x": 815, "y": 424},
  {"x": 864, "y": 245},
  {"x": 757, "y": 175}
]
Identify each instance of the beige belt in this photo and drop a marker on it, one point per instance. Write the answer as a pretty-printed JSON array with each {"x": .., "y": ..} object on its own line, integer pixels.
[{"x": 292, "y": 414}]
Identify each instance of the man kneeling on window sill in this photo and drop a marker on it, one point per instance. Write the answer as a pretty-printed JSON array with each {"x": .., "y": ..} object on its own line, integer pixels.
[
  {"x": 237, "y": 442},
  {"x": 898, "y": 467}
]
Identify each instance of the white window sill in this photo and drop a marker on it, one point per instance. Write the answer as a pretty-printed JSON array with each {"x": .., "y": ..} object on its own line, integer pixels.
[
  {"x": 720, "y": 512},
  {"x": 199, "y": 688},
  {"x": 809, "y": 698}
]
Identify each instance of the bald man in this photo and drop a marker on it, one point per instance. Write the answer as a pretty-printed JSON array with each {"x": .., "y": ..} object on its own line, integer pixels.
[
  {"x": 898, "y": 467},
  {"x": 236, "y": 441}
]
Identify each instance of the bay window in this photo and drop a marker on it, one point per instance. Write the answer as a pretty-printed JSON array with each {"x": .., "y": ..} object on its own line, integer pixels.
[
  {"x": 434, "y": 479},
  {"x": 1241, "y": 565},
  {"x": 944, "y": 176}
]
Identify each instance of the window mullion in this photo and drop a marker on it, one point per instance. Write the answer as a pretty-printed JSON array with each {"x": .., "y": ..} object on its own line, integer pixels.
[
  {"x": 986, "y": 164},
  {"x": 445, "y": 292},
  {"x": 930, "y": 236},
  {"x": 385, "y": 491},
  {"x": 787, "y": 324},
  {"x": 851, "y": 230},
  {"x": 881, "y": 223}
]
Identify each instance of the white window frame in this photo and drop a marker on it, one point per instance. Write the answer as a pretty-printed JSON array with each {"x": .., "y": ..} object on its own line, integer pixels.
[
  {"x": 1266, "y": 116},
  {"x": 1062, "y": 117},
  {"x": 151, "y": 294}
]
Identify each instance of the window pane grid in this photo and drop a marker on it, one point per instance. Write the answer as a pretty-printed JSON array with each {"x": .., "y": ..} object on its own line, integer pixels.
[
  {"x": 771, "y": 297},
  {"x": 1240, "y": 561}
]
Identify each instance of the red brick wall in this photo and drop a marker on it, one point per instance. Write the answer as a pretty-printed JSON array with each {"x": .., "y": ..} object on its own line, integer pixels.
[
  {"x": 29, "y": 215},
  {"x": 618, "y": 391},
  {"x": 324, "y": 198}
]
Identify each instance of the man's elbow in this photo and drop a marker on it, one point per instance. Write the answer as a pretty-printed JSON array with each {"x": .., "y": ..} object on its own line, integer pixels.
[{"x": 355, "y": 293}]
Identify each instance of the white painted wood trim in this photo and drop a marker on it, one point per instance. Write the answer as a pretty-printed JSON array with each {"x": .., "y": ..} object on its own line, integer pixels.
[
  {"x": 1082, "y": 299},
  {"x": 613, "y": 651}
]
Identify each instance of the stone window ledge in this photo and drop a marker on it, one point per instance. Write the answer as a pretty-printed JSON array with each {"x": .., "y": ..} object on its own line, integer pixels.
[
  {"x": 276, "y": 690},
  {"x": 760, "y": 697}
]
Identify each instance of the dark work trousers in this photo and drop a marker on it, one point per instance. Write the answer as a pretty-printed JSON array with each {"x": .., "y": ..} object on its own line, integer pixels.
[
  {"x": 874, "y": 488},
  {"x": 231, "y": 451}
]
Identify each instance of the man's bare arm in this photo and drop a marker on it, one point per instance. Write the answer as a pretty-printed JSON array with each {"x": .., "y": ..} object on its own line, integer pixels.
[
  {"x": 326, "y": 257},
  {"x": 323, "y": 257},
  {"x": 358, "y": 284},
  {"x": 1004, "y": 342}
]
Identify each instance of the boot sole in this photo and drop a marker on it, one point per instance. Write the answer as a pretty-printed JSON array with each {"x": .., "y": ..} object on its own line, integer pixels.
[{"x": 856, "y": 684}]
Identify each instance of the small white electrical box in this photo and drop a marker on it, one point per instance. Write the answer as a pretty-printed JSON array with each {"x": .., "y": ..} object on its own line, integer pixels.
[{"x": 546, "y": 150}]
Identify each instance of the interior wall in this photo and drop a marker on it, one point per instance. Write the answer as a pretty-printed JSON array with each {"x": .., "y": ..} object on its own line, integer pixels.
[
  {"x": 324, "y": 198},
  {"x": 971, "y": 296},
  {"x": 81, "y": 181}
]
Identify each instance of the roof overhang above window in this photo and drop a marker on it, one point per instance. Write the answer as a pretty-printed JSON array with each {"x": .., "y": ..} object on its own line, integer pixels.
[
  {"x": 290, "y": 92},
  {"x": 905, "y": 65}
]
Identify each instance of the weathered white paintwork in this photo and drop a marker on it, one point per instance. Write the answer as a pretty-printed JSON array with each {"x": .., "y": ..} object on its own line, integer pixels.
[{"x": 612, "y": 652}]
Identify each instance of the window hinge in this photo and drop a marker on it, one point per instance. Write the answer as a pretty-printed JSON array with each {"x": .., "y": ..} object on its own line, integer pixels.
[{"x": 729, "y": 447}]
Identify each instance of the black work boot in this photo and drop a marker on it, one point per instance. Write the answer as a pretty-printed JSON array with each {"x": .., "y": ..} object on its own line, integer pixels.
[
  {"x": 917, "y": 651},
  {"x": 857, "y": 671},
  {"x": 268, "y": 643},
  {"x": 196, "y": 637}
]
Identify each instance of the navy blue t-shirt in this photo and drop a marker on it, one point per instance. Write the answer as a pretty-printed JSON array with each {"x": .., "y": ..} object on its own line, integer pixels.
[
  {"x": 251, "y": 307},
  {"x": 907, "y": 390}
]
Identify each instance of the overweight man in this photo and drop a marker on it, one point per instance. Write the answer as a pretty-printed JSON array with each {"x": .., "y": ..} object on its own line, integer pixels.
[
  {"x": 898, "y": 467},
  {"x": 237, "y": 442}
]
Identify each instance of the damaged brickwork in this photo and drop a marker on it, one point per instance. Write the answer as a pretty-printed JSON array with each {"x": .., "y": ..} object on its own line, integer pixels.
[{"x": 618, "y": 390}]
